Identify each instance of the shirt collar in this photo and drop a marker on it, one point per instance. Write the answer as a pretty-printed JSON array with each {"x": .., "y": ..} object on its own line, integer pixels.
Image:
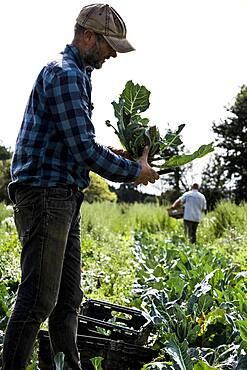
[{"x": 73, "y": 52}]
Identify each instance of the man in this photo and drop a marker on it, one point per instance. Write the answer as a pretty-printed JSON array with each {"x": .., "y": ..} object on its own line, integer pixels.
[
  {"x": 194, "y": 203},
  {"x": 55, "y": 150}
]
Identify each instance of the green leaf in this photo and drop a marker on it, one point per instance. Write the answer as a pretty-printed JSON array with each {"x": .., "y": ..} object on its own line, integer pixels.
[
  {"x": 173, "y": 138},
  {"x": 201, "y": 365},
  {"x": 156, "y": 365},
  {"x": 180, "y": 160},
  {"x": 183, "y": 256},
  {"x": 204, "y": 286},
  {"x": 242, "y": 325},
  {"x": 193, "y": 334},
  {"x": 158, "y": 271},
  {"x": 205, "y": 302},
  {"x": 179, "y": 353},
  {"x": 135, "y": 97},
  {"x": 96, "y": 361},
  {"x": 118, "y": 109}
]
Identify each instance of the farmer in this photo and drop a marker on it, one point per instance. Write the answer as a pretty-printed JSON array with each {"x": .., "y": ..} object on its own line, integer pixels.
[
  {"x": 55, "y": 150},
  {"x": 194, "y": 204}
]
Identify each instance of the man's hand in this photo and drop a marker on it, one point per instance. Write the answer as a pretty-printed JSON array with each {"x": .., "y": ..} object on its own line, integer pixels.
[{"x": 147, "y": 173}]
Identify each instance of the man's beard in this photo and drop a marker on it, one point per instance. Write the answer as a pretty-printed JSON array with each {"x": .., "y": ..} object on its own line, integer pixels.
[{"x": 91, "y": 57}]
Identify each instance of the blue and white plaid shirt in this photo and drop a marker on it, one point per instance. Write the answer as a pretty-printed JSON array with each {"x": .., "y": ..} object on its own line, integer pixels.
[{"x": 56, "y": 142}]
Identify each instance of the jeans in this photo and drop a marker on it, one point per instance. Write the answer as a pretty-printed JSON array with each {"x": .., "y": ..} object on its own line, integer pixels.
[
  {"x": 190, "y": 228},
  {"x": 48, "y": 225}
]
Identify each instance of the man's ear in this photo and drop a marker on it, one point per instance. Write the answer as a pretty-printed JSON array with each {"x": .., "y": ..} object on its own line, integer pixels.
[{"x": 89, "y": 37}]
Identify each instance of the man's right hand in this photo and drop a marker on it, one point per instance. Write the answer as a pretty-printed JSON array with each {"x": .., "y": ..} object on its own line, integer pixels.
[{"x": 147, "y": 173}]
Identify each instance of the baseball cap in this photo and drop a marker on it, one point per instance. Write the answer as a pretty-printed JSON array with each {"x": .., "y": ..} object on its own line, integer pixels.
[{"x": 103, "y": 19}]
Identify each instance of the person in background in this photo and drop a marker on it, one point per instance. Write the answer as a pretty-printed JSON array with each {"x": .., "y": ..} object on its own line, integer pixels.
[
  {"x": 55, "y": 151},
  {"x": 194, "y": 204}
]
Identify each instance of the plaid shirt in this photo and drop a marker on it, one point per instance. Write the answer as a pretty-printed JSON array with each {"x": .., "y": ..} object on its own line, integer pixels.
[{"x": 56, "y": 142}]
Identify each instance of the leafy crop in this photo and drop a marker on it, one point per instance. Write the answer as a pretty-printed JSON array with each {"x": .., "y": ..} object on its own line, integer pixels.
[
  {"x": 196, "y": 300},
  {"x": 134, "y": 132}
]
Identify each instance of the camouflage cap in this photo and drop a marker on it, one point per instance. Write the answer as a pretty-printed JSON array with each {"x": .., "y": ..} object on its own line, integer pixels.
[{"x": 103, "y": 19}]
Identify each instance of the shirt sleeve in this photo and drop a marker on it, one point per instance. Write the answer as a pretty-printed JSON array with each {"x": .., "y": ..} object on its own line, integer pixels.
[{"x": 71, "y": 111}]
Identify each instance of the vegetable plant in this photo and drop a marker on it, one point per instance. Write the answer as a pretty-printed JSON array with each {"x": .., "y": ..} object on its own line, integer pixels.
[
  {"x": 196, "y": 300},
  {"x": 135, "y": 132}
]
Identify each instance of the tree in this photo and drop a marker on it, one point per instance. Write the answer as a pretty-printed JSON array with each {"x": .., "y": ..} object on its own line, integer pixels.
[
  {"x": 98, "y": 190},
  {"x": 5, "y": 153},
  {"x": 232, "y": 138},
  {"x": 128, "y": 193},
  {"x": 214, "y": 182}
]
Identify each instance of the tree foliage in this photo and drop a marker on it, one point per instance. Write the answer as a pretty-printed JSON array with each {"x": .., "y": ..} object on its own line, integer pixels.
[
  {"x": 98, "y": 190},
  {"x": 5, "y": 155},
  {"x": 214, "y": 182},
  {"x": 128, "y": 193},
  {"x": 232, "y": 138}
]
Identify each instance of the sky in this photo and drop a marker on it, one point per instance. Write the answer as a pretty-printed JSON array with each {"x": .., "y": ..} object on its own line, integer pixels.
[{"x": 190, "y": 54}]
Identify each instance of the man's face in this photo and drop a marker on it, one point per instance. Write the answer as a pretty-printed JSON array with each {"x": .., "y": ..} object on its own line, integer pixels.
[{"x": 96, "y": 55}]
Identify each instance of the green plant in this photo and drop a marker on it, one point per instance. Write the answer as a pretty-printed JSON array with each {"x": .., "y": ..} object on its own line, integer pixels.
[
  {"x": 196, "y": 299},
  {"x": 98, "y": 190},
  {"x": 134, "y": 131},
  {"x": 96, "y": 361}
]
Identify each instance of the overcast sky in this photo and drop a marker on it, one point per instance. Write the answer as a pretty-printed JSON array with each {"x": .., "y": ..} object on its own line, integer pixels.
[{"x": 191, "y": 55}]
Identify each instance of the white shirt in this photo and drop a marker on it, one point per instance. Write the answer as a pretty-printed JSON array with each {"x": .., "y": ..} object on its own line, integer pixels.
[{"x": 194, "y": 203}]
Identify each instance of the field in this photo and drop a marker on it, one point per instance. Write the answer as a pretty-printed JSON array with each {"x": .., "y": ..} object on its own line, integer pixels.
[{"x": 136, "y": 256}]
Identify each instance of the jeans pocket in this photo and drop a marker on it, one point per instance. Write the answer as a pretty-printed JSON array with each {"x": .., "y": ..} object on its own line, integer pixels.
[
  {"x": 58, "y": 197},
  {"x": 23, "y": 216}
]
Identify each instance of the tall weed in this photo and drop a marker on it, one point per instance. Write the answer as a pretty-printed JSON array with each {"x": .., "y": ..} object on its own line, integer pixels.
[
  {"x": 227, "y": 216},
  {"x": 225, "y": 230},
  {"x": 107, "y": 238},
  {"x": 123, "y": 218},
  {"x": 5, "y": 211}
]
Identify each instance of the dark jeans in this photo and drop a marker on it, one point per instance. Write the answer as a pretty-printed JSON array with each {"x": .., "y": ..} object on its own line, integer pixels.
[
  {"x": 48, "y": 225},
  {"x": 190, "y": 228}
]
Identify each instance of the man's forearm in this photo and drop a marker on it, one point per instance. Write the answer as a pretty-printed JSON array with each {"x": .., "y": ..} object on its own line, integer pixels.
[{"x": 176, "y": 203}]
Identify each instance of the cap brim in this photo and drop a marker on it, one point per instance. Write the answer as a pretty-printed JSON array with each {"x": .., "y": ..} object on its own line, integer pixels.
[{"x": 119, "y": 45}]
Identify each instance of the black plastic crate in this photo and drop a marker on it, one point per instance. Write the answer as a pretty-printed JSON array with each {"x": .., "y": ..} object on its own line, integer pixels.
[
  {"x": 111, "y": 321},
  {"x": 117, "y": 354}
]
